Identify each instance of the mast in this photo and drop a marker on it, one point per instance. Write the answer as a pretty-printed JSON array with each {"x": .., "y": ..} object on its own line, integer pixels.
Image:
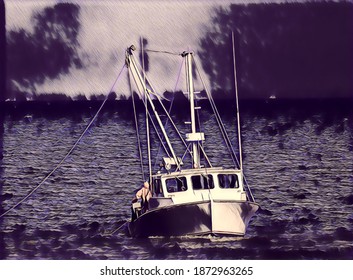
[
  {"x": 193, "y": 137},
  {"x": 146, "y": 110}
]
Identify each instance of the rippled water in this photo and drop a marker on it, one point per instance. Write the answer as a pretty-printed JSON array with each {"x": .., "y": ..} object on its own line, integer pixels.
[{"x": 298, "y": 161}]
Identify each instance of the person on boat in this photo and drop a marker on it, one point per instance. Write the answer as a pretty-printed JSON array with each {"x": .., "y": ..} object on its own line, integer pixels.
[{"x": 144, "y": 194}]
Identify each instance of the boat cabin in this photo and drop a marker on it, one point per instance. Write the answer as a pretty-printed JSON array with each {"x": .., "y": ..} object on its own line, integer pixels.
[{"x": 193, "y": 185}]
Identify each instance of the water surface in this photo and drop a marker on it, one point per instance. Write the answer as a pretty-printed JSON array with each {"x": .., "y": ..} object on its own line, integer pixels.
[{"x": 297, "y": 159}]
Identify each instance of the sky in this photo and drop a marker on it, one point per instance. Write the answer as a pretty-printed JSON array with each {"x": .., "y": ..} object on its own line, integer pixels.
[{"x": 109, "y": 27}]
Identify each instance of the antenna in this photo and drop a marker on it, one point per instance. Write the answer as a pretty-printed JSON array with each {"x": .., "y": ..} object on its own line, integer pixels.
[
  {"x": 237, "y": 102},
  {"x": 146, "y": 109}
]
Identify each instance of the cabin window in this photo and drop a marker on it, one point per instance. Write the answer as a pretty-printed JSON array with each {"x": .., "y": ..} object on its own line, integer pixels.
[
  {"x": 177, "y": 184},
  {"x": 228, "y": 181},
  {"x": 202, "y": 182},
  {"x": 157, "y": 187}
]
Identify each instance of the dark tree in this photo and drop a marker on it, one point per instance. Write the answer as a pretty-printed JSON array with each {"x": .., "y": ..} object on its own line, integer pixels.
[
  {"x": 112, "y": 95},
  {"x": 53, "y": 97},
  {"x": 135, "y": 96},
  {"x": 97, "y": 97},
  {"x": 80, "y": 97},
  {"x": 290, "y": 50},
  {"x": 2, "y": 51},
  {"x": 47, "y": 52},
  {"x": 122, "y": 97},
  {"x": 168, "y": 95},
  {"x": 143, "y": 55}
]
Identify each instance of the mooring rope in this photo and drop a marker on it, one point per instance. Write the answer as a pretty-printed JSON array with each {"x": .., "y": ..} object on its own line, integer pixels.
[
  {"x": 68, "y": 153},
  {"x": 117, "y": 229}
]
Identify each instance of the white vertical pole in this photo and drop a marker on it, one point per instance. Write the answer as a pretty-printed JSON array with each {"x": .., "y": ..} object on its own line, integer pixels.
[
  {"x": 237, "y": 102},
  {"x": 195, "y": 152},
  {"x": 146, "y": 109}
]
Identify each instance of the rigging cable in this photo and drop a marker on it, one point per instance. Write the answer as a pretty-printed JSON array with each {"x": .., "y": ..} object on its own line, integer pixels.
[
  {"x": 201, "y": 146},
  {"x": 170, "y": 109},
  {"x": 146, "y": 80},
  {"x": 158, "y": 134},
  {"x": 68, "y": 153},
  {"x": 218, "y": 118},
  {"x": 224, "y": 132},
  {"x": 172, "y": 122},
  {"x": 146, "y": 93},
  {"x": 166, "y": 52},
  {"x": 165, "y": 110},
  {"x": 148, "y": 115},
  {"x": 117, "y": 229},
  {"x": 237, "y": 104}
]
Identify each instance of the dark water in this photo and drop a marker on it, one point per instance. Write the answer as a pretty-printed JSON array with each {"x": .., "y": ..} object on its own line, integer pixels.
[{"x": 298, "y": 160}]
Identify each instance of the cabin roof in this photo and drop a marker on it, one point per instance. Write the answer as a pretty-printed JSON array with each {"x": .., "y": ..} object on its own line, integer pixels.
[{"x": 197, "y": 171}]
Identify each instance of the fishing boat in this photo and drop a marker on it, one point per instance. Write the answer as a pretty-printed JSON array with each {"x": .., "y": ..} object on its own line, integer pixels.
[{"x": 194, "y": 197}]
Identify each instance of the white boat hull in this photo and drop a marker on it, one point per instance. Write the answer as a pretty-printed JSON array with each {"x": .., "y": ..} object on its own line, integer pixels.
[{"x": 196, "y": 218}]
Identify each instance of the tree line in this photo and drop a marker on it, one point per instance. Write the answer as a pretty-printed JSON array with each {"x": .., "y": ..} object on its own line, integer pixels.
[{"x": 288, "y": 50}]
